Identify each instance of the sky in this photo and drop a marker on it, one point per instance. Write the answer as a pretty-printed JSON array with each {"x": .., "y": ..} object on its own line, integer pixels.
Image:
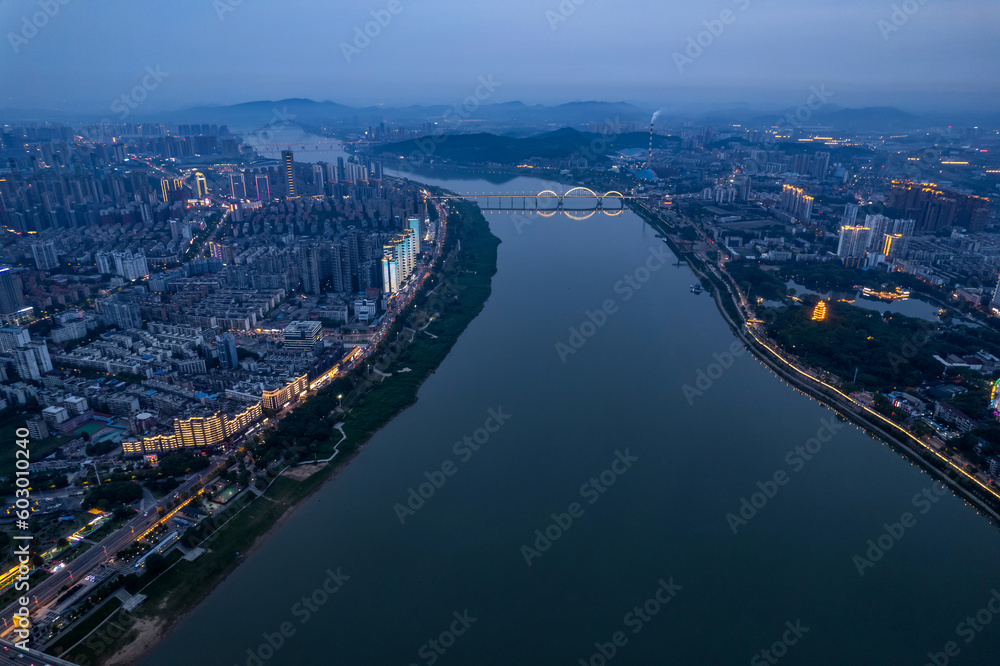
[{"x": 83, "y": 55}]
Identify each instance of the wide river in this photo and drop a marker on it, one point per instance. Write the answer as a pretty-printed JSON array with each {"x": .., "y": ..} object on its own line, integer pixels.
[{"x": 628, "y": 479}]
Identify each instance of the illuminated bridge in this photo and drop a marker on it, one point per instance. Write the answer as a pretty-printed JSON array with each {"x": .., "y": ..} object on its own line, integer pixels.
[{"x": 578, "y": 203}]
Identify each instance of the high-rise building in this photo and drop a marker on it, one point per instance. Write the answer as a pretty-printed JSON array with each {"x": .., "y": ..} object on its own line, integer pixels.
[
  {"x": 390, "y": 273},
  {"x": 12, "y": 338},
  {"x": 46, "y": 258},
  {"x": 25, "y": 364},
  {"x": 37, "y": 428},
  {"x": 262, "y": 187},
  {"x": 398, "y": 261},
  {"x": 288, "y": 167},
  {"x": 41, "y": 353},
  {"x": 310, "y": 268},
  {"x": 130, "y": 266},
  {"x": 117, "y": 313},
  {"x": 850, "y": 216},
  {"x": 935, "y": 208},
  {"x": 885, "y": 232},
  {"x": 201, "y": 185},
  {"x": 11, "y": 294},
  {"x": 853, "y": 244},
  {"x": 819, "y": 165},
  {"x": 796, "y": 203},
  {"x": 302, "y": 336},
  {"x": 318, "y": 181},
  {"x": 414, "y": 224},
  {"x": 237, "y": 186},
  {"x": 228, "y": 357}
]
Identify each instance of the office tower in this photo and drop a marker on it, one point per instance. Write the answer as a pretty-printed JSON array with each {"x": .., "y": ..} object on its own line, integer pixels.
[
  {"x": 12, "y": 338},
  {"x": 45, "y": 255},
  {"x": 341, "y": 174},
  {"x": 237, "y": 186},
  {"x": 414, "y": 224},
  {"x": 11, "y": 295},
  {"x": 201, "y": 185},
  {"x": 317, "y": 171},
  {"x": 262, "y": 187},
  {"x": 288, "y": 165},
  {"x": 228, "y": 356}
]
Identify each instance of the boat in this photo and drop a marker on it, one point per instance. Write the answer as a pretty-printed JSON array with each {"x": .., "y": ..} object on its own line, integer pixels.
[{"x": 696, "y": 289}]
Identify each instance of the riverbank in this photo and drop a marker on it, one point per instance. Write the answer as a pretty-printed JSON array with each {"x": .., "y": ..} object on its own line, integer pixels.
[
  {"x": 727, "y": 299},
  {"x": 450, "y": 301}
]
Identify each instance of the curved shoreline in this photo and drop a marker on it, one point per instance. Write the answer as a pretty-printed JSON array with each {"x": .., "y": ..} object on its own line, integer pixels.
[
  {"x": 828, "y": 395},
  {"x": 475, "y": 244}
]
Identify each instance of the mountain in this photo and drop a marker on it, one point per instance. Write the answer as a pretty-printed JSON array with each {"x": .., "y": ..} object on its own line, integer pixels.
[
  {"x": 311, "y": 114},
  {"x": 555, "y": 145}
]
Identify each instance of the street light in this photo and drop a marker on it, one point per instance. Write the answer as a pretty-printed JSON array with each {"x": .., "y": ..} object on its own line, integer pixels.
[{"x": 341, "y": 399}]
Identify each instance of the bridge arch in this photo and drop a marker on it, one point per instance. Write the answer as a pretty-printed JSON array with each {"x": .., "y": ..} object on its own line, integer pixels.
[{"x": 581, "y": 189}]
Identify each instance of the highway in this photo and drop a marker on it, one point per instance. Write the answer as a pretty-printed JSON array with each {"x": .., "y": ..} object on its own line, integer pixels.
[
  {"x": 808, "y": 379},
  {"x": 44, "y": 593}
]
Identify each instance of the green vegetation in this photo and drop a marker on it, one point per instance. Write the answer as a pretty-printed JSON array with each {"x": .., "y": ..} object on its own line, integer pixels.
[
  {"x": 461, "y": 289},
  {"x": 854, "y": 338},
  {"x": 113, "y": 494},
  {"x": 560, "y": 144},
  {"x": 465, "y": 285},
  {"x": 755, "y": 281},
  {"x": 11, "y": 419}
]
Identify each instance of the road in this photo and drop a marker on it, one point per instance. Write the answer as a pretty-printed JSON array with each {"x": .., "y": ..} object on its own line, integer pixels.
[
  {"x": 808, "y": 379},
  {"x": 12, "y": 656},
  {"x": 44, "y": 593}
]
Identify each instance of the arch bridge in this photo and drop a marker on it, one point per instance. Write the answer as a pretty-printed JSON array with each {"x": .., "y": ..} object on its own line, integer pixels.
[{"x": 578, "y": 203}]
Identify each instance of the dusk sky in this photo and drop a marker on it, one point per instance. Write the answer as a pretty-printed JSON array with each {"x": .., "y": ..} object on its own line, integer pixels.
[{"x": 943, "y": 54}]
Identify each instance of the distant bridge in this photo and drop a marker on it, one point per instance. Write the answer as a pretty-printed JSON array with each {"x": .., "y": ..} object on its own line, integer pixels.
[
  {"x": 305, "y": 147},
  {"x": 548, "y": 203}
]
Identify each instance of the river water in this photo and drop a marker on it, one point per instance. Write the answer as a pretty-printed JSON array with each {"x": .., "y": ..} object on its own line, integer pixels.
[{"x": 640, "y": 474}]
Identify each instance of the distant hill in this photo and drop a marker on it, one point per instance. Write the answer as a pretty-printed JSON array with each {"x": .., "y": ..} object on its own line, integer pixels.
[
  {"x": 310, "y": 114},
  {"x": 559, "y": 144}
]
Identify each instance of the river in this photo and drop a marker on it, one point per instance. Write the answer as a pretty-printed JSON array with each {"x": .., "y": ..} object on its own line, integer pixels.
[{"x": 631, "y": 477}]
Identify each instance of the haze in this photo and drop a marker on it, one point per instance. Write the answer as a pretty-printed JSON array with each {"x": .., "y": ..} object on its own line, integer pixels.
[{"x": 943, "y": 55}]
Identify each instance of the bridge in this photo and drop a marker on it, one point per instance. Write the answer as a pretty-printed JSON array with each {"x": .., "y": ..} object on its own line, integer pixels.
[
  {"x": 297, "y": 146},
  {"x": 582, "y": 202}
]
